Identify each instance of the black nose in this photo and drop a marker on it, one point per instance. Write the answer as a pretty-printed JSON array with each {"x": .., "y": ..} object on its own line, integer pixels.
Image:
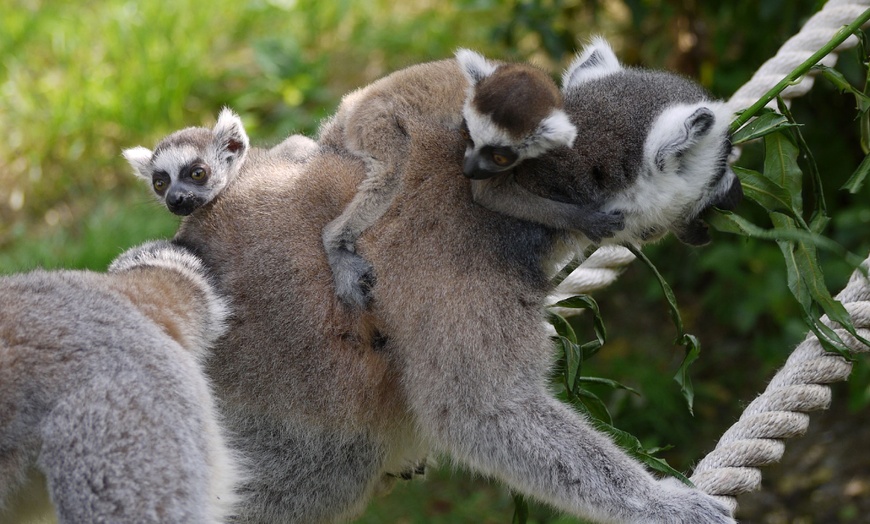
[{"x": 732, "y": 197}]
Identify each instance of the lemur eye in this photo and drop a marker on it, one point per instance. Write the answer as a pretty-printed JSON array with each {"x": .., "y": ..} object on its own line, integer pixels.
[
  {"x": 159, "y": 184},
  {"x": 197, "y": 173},
  {"x": 500, "y": 160}
]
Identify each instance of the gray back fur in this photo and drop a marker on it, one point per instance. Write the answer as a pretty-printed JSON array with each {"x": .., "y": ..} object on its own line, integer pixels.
[{"x": 102, "y": 390}]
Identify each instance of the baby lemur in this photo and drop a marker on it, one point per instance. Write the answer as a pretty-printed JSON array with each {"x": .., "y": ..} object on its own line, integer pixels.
[
  {"x": 511, "y": 112},
  {"x": 189, "y": 167},
  {"x": 102, "y": 390},
  {"x": 327, "y": 410}
]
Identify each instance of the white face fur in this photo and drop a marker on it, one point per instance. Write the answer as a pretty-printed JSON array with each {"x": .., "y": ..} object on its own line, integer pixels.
[{"x": 190, "y": 167}]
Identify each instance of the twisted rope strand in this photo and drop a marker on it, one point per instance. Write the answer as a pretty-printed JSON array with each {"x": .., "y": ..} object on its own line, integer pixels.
[
  {"x": 780, "y": 412},
  {"x": 815, "y": 33}
]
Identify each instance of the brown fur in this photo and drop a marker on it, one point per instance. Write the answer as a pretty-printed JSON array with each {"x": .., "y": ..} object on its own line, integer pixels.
[{"x": 515, "y": 86}]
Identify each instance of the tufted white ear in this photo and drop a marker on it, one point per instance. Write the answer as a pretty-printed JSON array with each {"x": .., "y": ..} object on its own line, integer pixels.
[
  {"x": 139, "y": 159},
  {"x": 597, "y": 60},
  {"x": 474, "y": 66},
  {"x": 230, "y": 138},
  {"x": 676, "y": 131},
  {"x": 556, "y": 130}
]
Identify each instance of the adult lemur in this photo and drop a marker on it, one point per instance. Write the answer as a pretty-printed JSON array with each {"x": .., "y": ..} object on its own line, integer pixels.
[
  {"x": 329, "y": 402},
  {"x": 102, "y": 391},
  {"x": 512, "y": 112},
  {"x": 189, "y": 167}
]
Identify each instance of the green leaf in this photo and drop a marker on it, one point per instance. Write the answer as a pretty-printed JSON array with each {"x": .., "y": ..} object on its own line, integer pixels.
[
  {"x": 666, "y": 288},
  {"x": 693, "y": 351},
  {"x": 573, "y": 364},
  {"x": 594, "y": 405},
  {"x": 769, "y": 122},
  {"x": 563, "y": 328},
  {"x": 795, "y": 282},
  {"x": 780, "y": 167},
  {"x": 634, "y": 448},
  {"x": 607, "y": 382},
  {"x": 767, "y": 193},
  {"x": 690, "y": 342},
  {"x": 853, "y": 185},
  {"x": 728, "y": 222},
  {"x": 588, "y": 303},
  {"x": 807, "y": 283},
  {"x": 821, "y": 208},
  {"x": 839, "y": 80},
  {"x": 578, "y": 302}
]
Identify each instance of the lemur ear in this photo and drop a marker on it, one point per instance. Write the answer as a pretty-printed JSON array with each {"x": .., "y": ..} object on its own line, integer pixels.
[
  {"x": 676, "y": 131},
  {"x": 230, "y": 137},
  {"x": 474, "y": 65},
  {"x": 597, "y": 60},
  {"x": 557, "y": 130},
  {"x": 139, "y": 159}
]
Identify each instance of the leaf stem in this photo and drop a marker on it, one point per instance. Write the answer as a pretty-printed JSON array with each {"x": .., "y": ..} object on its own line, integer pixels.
[{"x": 800, "y": 70}]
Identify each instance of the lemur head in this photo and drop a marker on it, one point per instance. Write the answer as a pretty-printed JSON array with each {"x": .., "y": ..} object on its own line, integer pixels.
[
  {"x": 652, "y": 145},
  {"x": 513, "y": 112},
  {"x": 190, "y": 167}
]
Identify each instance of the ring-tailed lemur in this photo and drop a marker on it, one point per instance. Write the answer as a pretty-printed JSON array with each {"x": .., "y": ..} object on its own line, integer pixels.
[
  {"x": 653, "y": 143},
  {"x": 102, "y": 390},
  {"x": 329, "y": 403},
  {"x": 189, "y": 167},
  {"x": 512, "y": 111}
]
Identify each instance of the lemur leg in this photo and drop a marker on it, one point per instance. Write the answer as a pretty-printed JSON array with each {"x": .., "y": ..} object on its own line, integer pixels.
[
  {"x": 503, "y": 194},
  {"x": 376, "y": 134},
  {"x": 325, "y": 476},
  {"x": 513, "y": 429}
]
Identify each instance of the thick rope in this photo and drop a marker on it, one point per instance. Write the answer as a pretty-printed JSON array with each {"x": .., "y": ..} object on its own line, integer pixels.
[
  {"x": 801, "y": 386},
  {"x": 817, "y": 32},
  {"x": 780, "y": 412},
  {"x": 599, "y": 271}
]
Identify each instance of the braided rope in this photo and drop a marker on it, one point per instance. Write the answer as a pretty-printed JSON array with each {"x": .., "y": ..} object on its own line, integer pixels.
[
  {"x": 780, "y": 412},
  {"x": 817, "y": 32},
  {"x": 801, "y": 386}
]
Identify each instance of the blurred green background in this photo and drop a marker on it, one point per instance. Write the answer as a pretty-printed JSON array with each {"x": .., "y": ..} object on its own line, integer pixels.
[{"x": 78, "y": 83}]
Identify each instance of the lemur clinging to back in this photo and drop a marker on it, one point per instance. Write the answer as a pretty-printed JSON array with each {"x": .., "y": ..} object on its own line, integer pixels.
[
  {"x": 189, "y": 167},
  {"x": 512, "y": 111}
]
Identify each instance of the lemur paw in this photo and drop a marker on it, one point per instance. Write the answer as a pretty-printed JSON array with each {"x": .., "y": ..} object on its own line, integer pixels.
[
  {"x": 683, "y": 504},
  {"x": 598, "y": 225},
  {"x": 353, "y": 276}
]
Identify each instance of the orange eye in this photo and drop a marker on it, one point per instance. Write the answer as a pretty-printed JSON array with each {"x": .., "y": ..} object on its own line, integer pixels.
[
  {"x": 198, "y": 173},
  {"x": 159, "y": 185},
  {"x": 500, "y": 160}
]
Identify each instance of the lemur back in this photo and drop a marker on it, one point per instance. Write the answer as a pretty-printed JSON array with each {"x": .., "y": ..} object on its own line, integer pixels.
[
  {"x": 510, "y": 112},
  {"x": 102, "y": 390}
]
